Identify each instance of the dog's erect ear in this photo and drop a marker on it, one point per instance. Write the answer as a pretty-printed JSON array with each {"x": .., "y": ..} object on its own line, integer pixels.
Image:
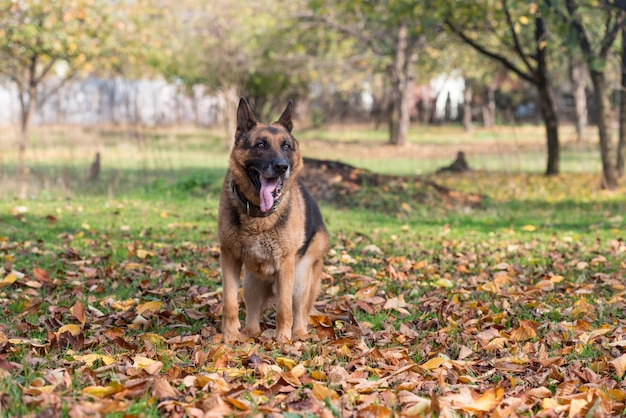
[
  {"x": 285, "y": 118},
  {"x": 245, "y": 118}
]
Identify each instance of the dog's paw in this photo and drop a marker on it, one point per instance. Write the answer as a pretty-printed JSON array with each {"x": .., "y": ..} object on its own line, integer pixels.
[
  {"x": 232, "y": 338},
  {"x": 251, "y": 332},
  {"x": 300, "y": 334},
  {"x": 283, "y": 337}
]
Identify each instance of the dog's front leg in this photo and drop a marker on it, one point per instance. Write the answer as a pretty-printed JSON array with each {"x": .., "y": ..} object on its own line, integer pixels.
[
  {"x": 231, "y": 272},
  {"x": 284, "y": 299}
]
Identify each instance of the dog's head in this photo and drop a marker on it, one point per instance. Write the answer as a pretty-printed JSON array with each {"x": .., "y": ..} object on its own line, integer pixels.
[{"x": 265, "y": 157}]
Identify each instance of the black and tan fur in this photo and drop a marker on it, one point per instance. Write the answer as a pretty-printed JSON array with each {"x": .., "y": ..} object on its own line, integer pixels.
[{"x": 270, "y": 228}]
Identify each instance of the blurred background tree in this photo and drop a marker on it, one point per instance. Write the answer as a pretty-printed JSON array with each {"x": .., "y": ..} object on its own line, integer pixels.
[{"x": 342, "y": 61}]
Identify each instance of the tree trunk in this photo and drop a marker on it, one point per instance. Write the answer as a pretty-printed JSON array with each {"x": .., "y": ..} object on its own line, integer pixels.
[
  {"x": 489, "y": 106},
  {"x": 28, "y": 103},
  {"x": 621, "y": 144},
  {"x": 549, "y": 116},
  {"x": 401, "y": 88},
  {"x": 609, "y": 172},
  {"x": 547, "y": 103},
  {"x": 467, "y": 106},
  {"x": 580, "y": 97},
  {"x": 229, "y": 111}
]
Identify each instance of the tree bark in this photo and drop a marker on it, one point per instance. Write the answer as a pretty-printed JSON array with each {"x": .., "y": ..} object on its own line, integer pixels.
[
  {"x": 580, "y": 97},
  {"x": 467, "y": 106},
  {"x": 621, "y": 144},
  {"x": 614, "y": 24},
  {"x": 548, "y": 112},
  {"x": 547, "y": 104},
  {"x": 489, "y": 106},
  {"x": 537, "y": 76},
  {"x": 401, "y": 88},
  {"x": 609, "y": 173},
  {"x": 28, "y": 104}
]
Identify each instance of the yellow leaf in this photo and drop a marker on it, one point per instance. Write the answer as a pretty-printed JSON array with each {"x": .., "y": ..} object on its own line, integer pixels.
[
  {"x": 71, "y": 328},
  {"x": 524, "y": 20},
  {"x": 89, "y": 359},
  {"x": 142, "y": 362},
  {"x": 529, "y": 228},
  {"x": 321, "y": 392},
  {"x": 557, "y": 279},
  {"x": 152, "y": 306},
  {"x": 619, "y": 364},
  {"x": 152, "y": 337},
  {"x": 319, "y": 375},
  {"x": 447, "y": 283},
  {"x": 434, "y": 363},
  {"x": 286, "y": 362},
  {"x": 298, "y": 371},
  {"x": 618, "y": 394},
  {"x": 102, "y": 391},
  {"x": 144, "y": 254},
  {"x": 8, "y": 280}
]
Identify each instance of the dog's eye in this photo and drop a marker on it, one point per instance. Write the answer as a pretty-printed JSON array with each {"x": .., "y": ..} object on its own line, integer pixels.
[
  {"x": 261, "y": 145},
  {"x": 286, "y": 146}
]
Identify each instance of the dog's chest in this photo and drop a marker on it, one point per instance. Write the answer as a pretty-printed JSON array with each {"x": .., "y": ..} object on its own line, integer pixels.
[{"x": 264, "y": 253}]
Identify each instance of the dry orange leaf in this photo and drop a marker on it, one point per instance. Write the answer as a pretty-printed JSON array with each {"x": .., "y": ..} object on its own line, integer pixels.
[
  {"x": 321, "y": 392},
  {"x": 375, "y": 411},
  {"x": 151, "y": 306},
  {"x": 366, "y": 292},
  {"x": 78, "y": 311},
  {"x": 41, "y": 275},
  {"x": 161, "y": 389},
  {"x": 434, "y": 363},
  {"x": 619, "y": 364},
  {"x": 526, "y": 331},
  {"x": 466, "y": 400}
]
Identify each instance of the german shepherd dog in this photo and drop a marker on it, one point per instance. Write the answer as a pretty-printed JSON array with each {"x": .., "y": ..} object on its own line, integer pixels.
[{"x": 269, "y": 226}]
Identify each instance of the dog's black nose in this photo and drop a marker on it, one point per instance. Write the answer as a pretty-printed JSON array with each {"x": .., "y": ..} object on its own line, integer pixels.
[{"x": 281, "y": 167}]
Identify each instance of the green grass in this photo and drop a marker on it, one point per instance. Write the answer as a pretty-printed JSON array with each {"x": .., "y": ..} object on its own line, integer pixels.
[{"x": 146, "y": 231}]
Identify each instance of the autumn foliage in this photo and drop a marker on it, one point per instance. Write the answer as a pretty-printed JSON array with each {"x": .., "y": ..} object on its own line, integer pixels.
[{"x": 125, "y": 321}]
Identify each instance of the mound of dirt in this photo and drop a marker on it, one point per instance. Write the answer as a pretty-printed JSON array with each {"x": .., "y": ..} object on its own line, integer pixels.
[{"x": 341, "y": 183}]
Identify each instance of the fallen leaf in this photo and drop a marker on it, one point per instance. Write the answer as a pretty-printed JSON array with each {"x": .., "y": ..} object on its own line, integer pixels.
[
  {"x": 71, "y": 328},
  {"x": 434, "y": 363},
  {"x": 151, "y": 307},
  {"x": 619, "y": 364},
  {"x": 162, "y": 390},
  {"x": 321, "y": 393},
  {"x": 78, "y": 311}
]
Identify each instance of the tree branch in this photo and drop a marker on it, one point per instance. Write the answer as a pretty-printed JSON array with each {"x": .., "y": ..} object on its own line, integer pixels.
[
  {"x": 530, "y": 77},
  {"x": 516, "y": 42}
]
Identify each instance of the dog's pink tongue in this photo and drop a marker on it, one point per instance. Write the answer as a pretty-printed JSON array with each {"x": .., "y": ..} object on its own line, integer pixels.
[{"x": 267, "y": 189}]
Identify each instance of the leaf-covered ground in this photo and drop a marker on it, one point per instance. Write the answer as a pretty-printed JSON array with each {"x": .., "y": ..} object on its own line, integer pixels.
[{"x": 113, "y": 308}]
